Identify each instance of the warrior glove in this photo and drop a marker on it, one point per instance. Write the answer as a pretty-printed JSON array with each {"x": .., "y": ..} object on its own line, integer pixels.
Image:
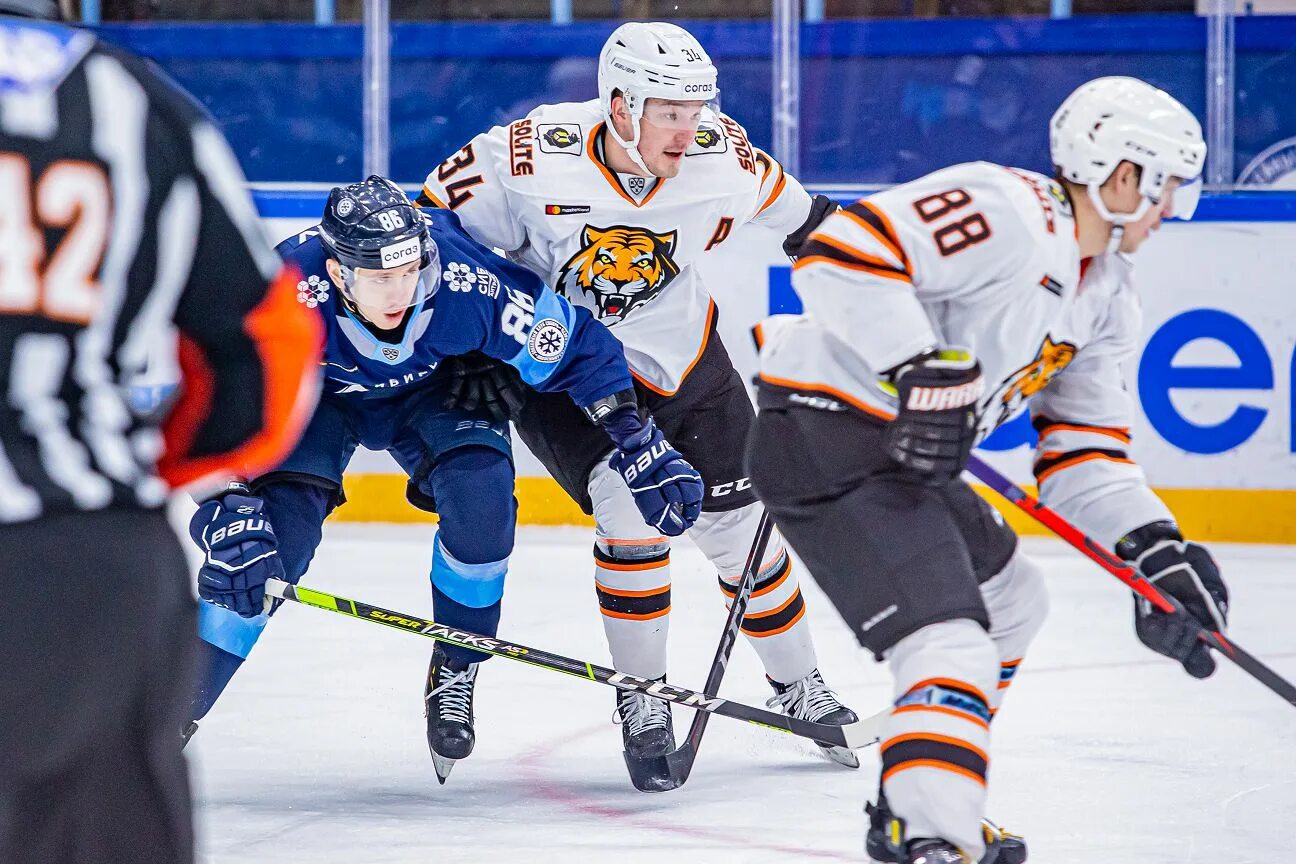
[{"x": 936, "y": 424}]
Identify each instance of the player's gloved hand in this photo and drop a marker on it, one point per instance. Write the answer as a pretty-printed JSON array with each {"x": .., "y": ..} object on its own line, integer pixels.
[
  {"x": 478, "y": 382},
  {"x": 936, "y": 424},
  {"x": 821, "y": 207},
  {"x": 667, "y": 490},
  {"x": 241, "y": 551},
  {"x": 1188, "y": 573}
]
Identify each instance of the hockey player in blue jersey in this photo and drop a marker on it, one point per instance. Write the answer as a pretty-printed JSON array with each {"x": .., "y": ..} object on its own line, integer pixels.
[{"x": 401, "y": 290}]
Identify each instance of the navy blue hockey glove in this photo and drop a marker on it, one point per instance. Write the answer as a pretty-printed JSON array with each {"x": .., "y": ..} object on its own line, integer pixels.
[
  {"x": 667, "y": 490},
  {"x": 478, "y": 382},
  {"x": 241, "y": 551},
  {"x": 1188, "y": 573},
  {"x": 936, "y": 424}
]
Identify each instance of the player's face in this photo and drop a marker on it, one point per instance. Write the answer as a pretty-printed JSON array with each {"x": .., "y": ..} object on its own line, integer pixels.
[
  {"x": 666, "y": 130},
  {"x": 381, "y": 296},
  {"x": 1137, "y": 232}
]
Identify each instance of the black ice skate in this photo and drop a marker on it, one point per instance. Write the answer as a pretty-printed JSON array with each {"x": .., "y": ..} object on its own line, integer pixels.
[
  {"x": 935, "y": 852},
  {"x": 885, "y": 840},
  {"x": 810, "y": 699},
  {"x": 647, "y": 734},
  {"x": 447, "y": 697}
]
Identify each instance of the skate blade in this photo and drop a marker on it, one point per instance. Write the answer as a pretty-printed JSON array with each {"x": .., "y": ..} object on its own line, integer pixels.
[
  {"x": 188, "y": 733},
  {"x": 843, "y": 756},
  {"x": 442, "y": 766}
]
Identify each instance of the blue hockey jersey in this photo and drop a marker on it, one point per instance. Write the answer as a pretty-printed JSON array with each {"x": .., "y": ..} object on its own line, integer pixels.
[{"x": 481, "y": 303}]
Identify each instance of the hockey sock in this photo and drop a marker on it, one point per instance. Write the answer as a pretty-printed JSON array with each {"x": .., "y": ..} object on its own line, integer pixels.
[
  {"x": 774, "y": 622},
  {"x": 1017, "y": 602},
  {"x": 215, "y": 669},
  {"x": 936, "y": 744},
  {"x": 632, "y": 580},
  {"x": 483, "y": 620}
]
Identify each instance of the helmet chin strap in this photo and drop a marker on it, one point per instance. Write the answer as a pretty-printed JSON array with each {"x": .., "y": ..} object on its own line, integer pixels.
[
  {"x": 1118, "y": 221},
  {"x": 631, "y": 147}
]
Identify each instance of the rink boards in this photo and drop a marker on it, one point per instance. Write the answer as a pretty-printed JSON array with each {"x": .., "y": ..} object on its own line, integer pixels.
[{"x": 1216, "y": 429}]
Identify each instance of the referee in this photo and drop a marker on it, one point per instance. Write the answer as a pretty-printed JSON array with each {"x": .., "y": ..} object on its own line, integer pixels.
[{"x": 122, "y": 213}]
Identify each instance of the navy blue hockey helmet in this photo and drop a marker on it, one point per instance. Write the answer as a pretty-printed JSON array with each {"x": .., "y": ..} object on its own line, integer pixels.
[{"x": 374, "y": 225}]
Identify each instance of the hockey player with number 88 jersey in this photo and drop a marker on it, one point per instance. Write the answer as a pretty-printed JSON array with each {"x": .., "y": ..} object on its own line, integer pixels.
[
  {"x": 612, "y": 202},
  {"x": 934, "y": 312}
]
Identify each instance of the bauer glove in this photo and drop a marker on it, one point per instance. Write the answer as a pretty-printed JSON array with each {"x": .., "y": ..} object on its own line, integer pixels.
[
  {"x": 240, "y": 551},
  {"x": 667, "y": 490}
]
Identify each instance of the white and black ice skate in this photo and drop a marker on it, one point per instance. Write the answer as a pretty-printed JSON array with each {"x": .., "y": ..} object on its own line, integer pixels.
[
  {"x": 448, "y": 706},
  {"x": 647, "y": 735},
  {"x": 885, "y": 841},
  {"x": 811, "y": 699}
]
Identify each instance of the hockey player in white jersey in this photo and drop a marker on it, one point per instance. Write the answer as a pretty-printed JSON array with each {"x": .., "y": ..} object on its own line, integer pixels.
[
  {"x": 612, "y": 201},
  {"x": 934, "y": 312}
]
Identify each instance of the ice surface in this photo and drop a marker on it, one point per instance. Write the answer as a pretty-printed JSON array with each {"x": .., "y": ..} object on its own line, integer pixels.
[{"x": 1103, "y": 754}]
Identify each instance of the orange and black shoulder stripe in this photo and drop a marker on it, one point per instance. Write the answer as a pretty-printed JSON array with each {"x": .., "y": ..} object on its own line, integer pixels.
[
  {"x": 871, "y": 218},
  {"x": 821, "y": 248}
]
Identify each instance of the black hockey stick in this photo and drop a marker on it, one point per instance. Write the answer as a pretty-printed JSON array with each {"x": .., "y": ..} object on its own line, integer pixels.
[
  {"x": 1126, "y": 573},
  {"x": 861, "y": 733},
  {"x": 663, "y": 773}
]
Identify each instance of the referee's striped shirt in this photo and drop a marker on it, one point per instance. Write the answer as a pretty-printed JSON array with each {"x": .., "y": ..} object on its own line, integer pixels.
[{"x": 122, "y": 213}]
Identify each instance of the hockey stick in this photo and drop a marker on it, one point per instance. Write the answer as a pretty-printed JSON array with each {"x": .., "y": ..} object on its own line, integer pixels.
[
  {"x": 672, "y": 770},
  {"x": 862, "y": 733},
  {"x": 1123, "y": 571}
]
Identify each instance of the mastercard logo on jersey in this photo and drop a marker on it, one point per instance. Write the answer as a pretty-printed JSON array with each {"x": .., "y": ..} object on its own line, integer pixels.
[
  {"x": 621, "y": 267},
  {"x": 565, "y": 209}
]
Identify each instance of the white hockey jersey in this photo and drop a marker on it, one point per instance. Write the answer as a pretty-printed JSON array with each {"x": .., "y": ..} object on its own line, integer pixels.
[
  {"x": 621, "y": 245},
  {"x": 981, "y": 257}
]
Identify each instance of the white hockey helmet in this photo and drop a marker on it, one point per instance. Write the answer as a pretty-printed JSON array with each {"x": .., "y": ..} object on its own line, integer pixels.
[
  {"x": 652, "y": 60},
  {"x": 1110, "y": 120}
]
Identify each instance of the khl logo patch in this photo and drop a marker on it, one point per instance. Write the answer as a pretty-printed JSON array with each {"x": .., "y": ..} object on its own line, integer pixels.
[{"x": 547, "y": 341}]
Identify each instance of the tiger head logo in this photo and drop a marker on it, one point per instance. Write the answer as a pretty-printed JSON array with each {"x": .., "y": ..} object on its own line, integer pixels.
[
  {"x": 1051, "y": 359},
  {"x": 622, "y": 267}
]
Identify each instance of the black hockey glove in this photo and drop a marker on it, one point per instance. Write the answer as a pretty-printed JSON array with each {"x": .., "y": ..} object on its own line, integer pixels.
[
  {"x": 936, "y": 424},
  {"x": 1186, "y": 572},
  {"x": 821, "y": 207},
  {"x": 240, "y": 548},
  {"x": 478, "y": 382}
]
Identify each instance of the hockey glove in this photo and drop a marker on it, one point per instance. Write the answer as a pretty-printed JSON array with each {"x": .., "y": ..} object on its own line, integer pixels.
[
  {"x": 1186, "y": 572},
  {"x": 821, "y": 207},
  {"x": 478, "y": 382},
  {"x": 667, "y": 490},
  {"x": 936, "y": 424},
  {"x": 240, "y": 548}
]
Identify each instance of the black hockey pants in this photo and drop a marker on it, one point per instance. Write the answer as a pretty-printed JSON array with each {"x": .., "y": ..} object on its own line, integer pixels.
[{"x": 97, "y": 628}]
